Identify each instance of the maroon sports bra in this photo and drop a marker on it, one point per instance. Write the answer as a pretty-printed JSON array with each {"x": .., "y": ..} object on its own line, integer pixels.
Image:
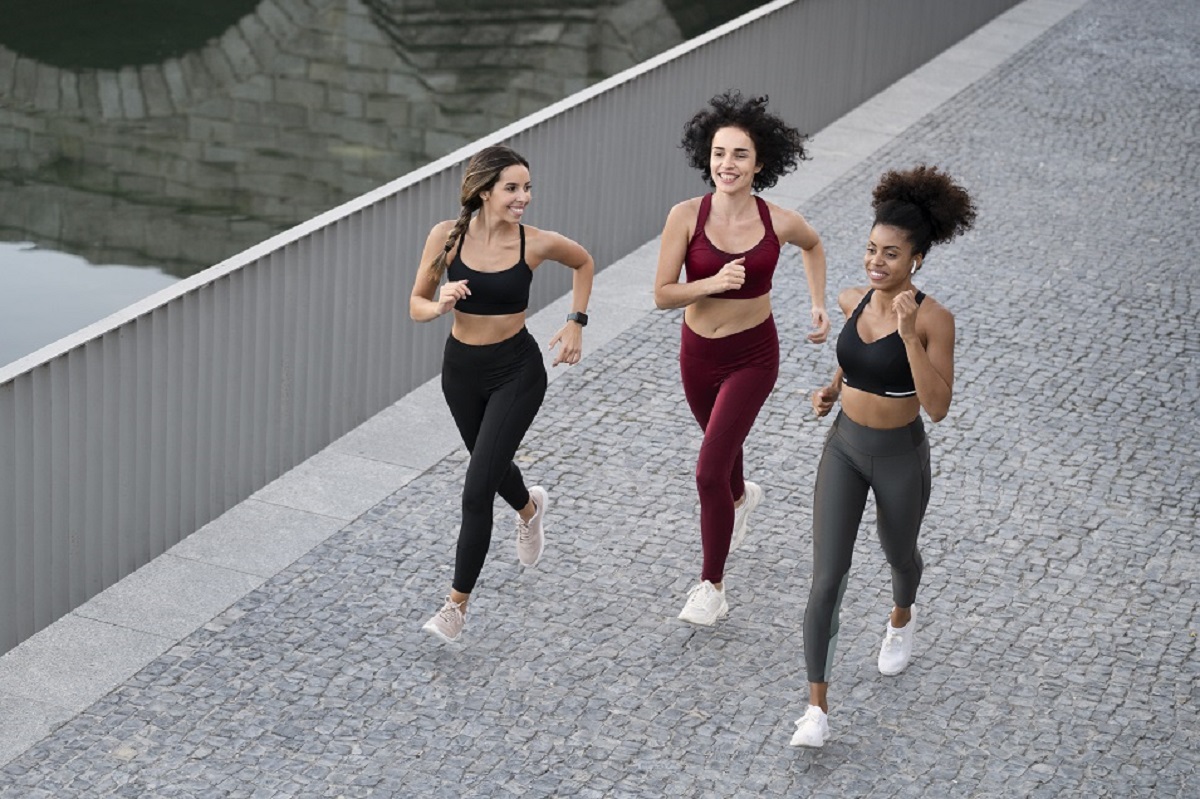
[{"x": 703, "y": 259}]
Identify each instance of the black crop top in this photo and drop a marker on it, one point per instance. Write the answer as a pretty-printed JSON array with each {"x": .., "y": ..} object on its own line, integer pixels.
[
  {"x": 493, "y": 293},
  {"x": 880, "y": 367}
]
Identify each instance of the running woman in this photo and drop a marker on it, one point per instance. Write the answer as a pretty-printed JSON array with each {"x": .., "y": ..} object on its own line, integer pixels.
[
  {"x": 727, "y": 245},
  {"x": 492, "y": 373},
  {"x": 895, "y": 357}
]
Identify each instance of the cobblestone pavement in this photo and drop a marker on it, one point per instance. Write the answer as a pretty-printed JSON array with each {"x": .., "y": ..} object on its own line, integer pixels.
[{"x": 1058, "y": 653}]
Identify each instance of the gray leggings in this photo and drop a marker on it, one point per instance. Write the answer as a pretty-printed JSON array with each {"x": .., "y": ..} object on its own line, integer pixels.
[{"x": 895, "y": 465}]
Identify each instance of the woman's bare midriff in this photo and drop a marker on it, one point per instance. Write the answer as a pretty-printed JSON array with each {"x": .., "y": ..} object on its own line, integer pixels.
[
  {"x": 711, "y": 317},
  {"x": 477, "y": 330},
  {"x": 881, "y": 413}
]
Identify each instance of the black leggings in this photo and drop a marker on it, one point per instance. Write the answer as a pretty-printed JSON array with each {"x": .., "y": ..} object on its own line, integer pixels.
[
  {"x": 895, "y": 465},
  {"x": 494, "y": 392}
]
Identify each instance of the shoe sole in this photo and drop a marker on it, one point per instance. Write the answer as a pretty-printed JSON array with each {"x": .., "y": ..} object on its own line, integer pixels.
[
  {"x": 739, "y": 539},
  {"x": 429, "y": 628},
  {"x": 545, "y": 506},
  {"x": 723, "y": 614},
  {"x": 900, "y": 670},
  {"x": 806, "y": 744}
]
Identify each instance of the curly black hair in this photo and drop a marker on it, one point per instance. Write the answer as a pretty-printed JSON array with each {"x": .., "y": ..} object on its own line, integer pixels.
[
  {"x": 779, "y": 147},
  {"x": 924, "y": 202}
]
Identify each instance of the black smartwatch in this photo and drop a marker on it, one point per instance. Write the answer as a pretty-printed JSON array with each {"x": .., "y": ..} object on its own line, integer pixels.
[{"x": 578, "y": 316}]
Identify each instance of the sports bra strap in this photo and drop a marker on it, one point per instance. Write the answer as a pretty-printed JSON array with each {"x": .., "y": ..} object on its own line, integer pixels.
[
  {"x": 919, "y": 296},
  {"x": 764, "y": 213},
  {"x": 702, "y": 216},
  {"x": 862, "y": 303},
  {"x": 521, "y": 228}
]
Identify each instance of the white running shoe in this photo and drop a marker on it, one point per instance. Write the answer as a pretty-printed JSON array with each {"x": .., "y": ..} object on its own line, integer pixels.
[
  {"x": 705, "y": 604},
  {"x": 812, "y": 728},
  {"x": 531, "y": 539},
  {"x": 447, "y": 623},
  {"x": 741, "y": 516},
  {"x": 897, "y": 647}
]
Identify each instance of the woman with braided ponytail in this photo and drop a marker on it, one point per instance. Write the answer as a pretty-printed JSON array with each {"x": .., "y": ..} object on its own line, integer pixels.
[
  {"x": 492, "y": 372},
  {"x": 895, "y": 357}
]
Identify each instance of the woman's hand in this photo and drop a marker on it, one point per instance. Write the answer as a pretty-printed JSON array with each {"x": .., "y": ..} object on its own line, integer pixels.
[
  {"x": 730, "y": 278},
  {"x": 823, "y": 399},
  {"x": 451, "y": 293},
  {"x": 905, "y": 306},
  {"x": 570, "y": 336},
  {"x": 820, "y": 320}
]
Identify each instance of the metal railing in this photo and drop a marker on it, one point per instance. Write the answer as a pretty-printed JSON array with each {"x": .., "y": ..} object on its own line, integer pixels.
[{"x": 122, "y": 439}]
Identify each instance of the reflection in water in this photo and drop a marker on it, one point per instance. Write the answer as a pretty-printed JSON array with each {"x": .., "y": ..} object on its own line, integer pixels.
[
  {"x": 280, "y": 113},
  {"x": 47, "y": 295}
]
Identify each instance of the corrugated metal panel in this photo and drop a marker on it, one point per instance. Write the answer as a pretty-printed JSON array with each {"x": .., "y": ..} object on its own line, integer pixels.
[{"x": 129, "y": 438}]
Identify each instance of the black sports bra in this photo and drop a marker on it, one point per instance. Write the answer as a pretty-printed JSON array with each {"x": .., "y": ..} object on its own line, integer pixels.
[
  {"x": 493, "y": 293},
  {"x": 880, "y": 367}
]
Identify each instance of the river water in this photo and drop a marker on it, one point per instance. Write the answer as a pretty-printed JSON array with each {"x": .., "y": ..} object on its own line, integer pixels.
[{"x": 144, "y": 141}]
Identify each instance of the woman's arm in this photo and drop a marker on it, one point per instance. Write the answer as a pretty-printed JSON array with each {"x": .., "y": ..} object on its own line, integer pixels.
[
  {"x": 794, "y": 229},
  {"x": 422, "y": 307},
  {"x": 555, "y": 247},
  {"x": 932, "y": 362},
  {"x": 824, "y": 397},
  {"x": 668, "y": 291}
]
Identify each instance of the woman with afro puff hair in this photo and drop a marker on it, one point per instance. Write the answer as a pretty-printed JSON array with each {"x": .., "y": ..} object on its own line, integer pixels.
[
  {"x": 727, "y": 245},
  {"x": 895, "y": 357}
]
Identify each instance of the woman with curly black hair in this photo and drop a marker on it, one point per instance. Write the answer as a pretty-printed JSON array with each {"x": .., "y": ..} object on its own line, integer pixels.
[
  {"x": 895, "y": 357},
  {"x": 728, "y": 241}
]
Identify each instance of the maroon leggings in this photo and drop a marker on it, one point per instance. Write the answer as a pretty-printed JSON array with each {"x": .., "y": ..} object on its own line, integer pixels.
[{"x": 726, "y": 381}]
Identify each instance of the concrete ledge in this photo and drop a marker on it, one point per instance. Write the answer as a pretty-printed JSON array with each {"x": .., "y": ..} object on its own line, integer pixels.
[
  {"x": 334, "y": 484},
  {"x": 257, "y": 538},
  {"x": 74, "y": 662},
  {"x": 169, "y": 596}
]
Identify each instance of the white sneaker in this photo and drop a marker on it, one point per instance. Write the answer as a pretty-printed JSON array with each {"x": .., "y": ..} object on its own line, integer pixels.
[
  {"x": 812, "y": 728},
  {"x": 447, "y": 623},
  {"x": 897, "y": 647},
  {"x": 741, "y": 516},
  {"x": 531, "y": 540},
  {"x": 705, "y": 604}
]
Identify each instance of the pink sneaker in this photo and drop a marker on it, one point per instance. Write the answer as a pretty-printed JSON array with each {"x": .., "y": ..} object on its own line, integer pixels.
[
  {"x": 531, "y": 539},
  {"x": 447, "y": 623}
]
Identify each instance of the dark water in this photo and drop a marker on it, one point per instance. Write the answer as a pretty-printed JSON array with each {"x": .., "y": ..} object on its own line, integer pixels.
[{"x": 142, "y": 141}]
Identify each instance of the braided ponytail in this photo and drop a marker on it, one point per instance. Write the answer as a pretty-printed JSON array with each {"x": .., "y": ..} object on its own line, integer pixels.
[{"x": 438, "y": 267}]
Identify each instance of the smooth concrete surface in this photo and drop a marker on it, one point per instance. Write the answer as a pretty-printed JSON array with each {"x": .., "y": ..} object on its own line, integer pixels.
[{"x": 59, "y": 672}]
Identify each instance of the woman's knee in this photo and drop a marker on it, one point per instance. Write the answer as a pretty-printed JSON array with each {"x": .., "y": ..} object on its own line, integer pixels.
[
  {"x": 711, "y": 477},
  {"x": 477, "y": 501}
]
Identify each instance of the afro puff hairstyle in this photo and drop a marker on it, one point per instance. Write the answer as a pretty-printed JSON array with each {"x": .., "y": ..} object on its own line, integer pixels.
[
  {"x": 780, "y": 147},
  {"x": 924, "y": 202}
]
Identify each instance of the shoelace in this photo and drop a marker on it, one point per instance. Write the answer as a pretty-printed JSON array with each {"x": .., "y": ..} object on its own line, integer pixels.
[
  {"x": 893, "y": 639},
  {"x": 699, "y": 588},
  {"x": 523, "y": 526},
  {"x": 450, "y": 613},
  {"x": 809, "y": 716}
]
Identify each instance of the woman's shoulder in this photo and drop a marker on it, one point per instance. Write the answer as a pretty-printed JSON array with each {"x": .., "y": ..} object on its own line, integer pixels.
[
  {"x": 689, "y": 207},
  {"x": 849, "y": 298},
  {"x": 933, "y": 311}
]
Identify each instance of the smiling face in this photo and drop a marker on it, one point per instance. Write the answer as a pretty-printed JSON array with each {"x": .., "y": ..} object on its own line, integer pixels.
[
  {"x": 733, "y": 160},
  {"x": 510, "y": 195},
  {"x": 889, "y": 258}
]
